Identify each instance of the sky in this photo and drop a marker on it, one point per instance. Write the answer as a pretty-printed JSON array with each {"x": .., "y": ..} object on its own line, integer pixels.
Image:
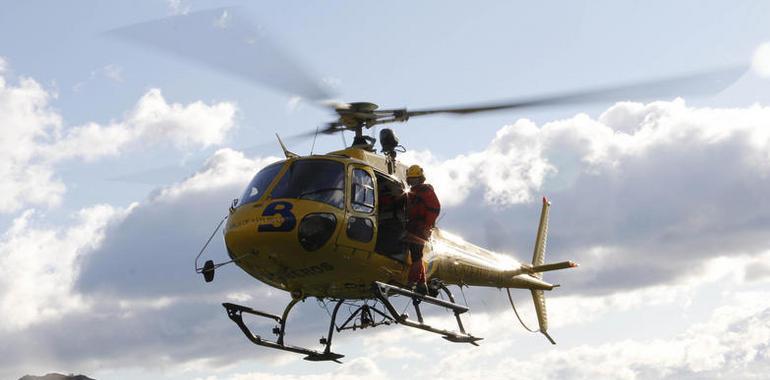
[{"x": 118, "y": 161}]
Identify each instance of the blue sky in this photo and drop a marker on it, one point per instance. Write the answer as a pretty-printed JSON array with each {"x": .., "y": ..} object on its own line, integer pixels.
[{"x": 118, "y": 156}]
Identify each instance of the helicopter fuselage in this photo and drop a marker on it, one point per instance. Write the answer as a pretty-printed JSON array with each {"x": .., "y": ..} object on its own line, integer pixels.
[{"x": 309, "y": 226}]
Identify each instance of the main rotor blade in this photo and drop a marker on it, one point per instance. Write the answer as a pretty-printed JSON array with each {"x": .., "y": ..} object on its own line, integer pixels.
[
  {"x": 226, "y": 40},
  {"x": 693, "y": 84}
]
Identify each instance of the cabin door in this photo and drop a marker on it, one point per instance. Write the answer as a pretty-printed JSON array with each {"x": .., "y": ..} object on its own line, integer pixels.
[{"x": 360, "y": 227}]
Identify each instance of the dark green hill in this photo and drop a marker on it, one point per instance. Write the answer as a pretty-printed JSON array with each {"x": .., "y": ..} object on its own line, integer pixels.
[{"x": 56, "y": 376}]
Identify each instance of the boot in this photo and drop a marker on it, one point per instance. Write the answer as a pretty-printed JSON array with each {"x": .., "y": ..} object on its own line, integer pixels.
[{"x": 421, "y": 288}]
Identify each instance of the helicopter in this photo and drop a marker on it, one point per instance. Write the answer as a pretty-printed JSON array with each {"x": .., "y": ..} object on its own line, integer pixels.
[{"x": 315, "y": 226}]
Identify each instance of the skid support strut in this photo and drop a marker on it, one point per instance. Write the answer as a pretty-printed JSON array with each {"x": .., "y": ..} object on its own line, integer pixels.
[
  {"x": 383, "y": 291},
  {"x": 235, "y": 312}
]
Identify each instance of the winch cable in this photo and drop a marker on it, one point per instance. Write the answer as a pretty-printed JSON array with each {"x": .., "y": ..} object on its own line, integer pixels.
[
  {"x": 199, "y": 269},
  {"x": 517, "y": 313},
  {"x": 465, "y": 300}
]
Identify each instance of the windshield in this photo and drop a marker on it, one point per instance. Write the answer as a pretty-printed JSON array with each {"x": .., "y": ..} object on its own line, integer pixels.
[
  {"x": 317, "y": 180},
  {"x": 260, "y": 183}
]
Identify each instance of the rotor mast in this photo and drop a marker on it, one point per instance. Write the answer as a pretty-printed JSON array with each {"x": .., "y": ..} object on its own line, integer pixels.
[{"x": 359, "y": 115}]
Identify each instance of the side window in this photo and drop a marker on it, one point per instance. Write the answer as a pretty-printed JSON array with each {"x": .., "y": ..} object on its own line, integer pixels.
[{"x": 362, "y": 191}]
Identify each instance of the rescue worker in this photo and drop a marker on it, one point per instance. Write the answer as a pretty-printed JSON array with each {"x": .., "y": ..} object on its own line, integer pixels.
[{"x": 423, "y": 209}]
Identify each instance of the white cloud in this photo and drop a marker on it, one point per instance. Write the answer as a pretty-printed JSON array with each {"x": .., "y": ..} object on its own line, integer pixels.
[
  {"x": 3, "y": 65},
  {"x": 355, "y": 369},
  {"x": 510, "y": 169},
  {"x": 658, "y": 187},
  {"x": 34, "y": 139},
  {"x": 652, "y": 247},
  {"x": 28, "y": 121},
  {"x": 152, "y": 121},
  {"x": 293, "y": 103},
  {"x": 734, "y": 338},
  {"x": 761, "y": 61},
  {"x": 166, "y": 231},
  {"x": 523, "y": 158},
  {"x": 135, "y": 271},
  {"x": 572, "y": 310},
  {"x": 223, "y": 21},
  {"x": 38, "y": 266},
  {"x": 226, "y": 168},
  {"x": 178, "y": 7},
  {"x": 331, "y": 82},
  {"x": 113, "y": 72}
]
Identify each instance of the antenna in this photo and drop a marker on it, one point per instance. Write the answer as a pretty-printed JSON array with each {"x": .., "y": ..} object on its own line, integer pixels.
[
  {"x": 286, "y": 152},
  {"x": 314, "y": 137}
]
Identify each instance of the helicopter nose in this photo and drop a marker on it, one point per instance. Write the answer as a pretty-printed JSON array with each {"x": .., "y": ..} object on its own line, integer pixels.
[{"x": 309, "y": 232}]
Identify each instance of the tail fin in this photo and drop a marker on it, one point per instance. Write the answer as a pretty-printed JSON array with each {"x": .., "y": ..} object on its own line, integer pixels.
[
  {"x": 542, "y": 316},
  {"x": 538, "y": 259}
]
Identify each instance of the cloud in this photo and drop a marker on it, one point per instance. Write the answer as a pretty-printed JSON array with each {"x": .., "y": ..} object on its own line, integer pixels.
[
  {"x": 523, "y": 158},
  {"x": 510, "y": 169},
  {"x": 761, "y": 61},
  {"x": 178, "y": 7},
  {"x": 331, "y": 82},
  {"x": 34, "y": 138},
  {"x": 734, "y": 340},
  {"x": 654, "y": 199},
  {"x": 293, "y": 103},
  {"x": 150, "y": 253},
  {"x": 113, "y": 72},
  {"x": 354, "y": 369},
  {"x": 640, "y": 195},
  {"x": 28, "y": 121},
  {"x": 124, "y": 281},
  {"x": 38, "y": 266},
  {"x": 152, "y": 121}
]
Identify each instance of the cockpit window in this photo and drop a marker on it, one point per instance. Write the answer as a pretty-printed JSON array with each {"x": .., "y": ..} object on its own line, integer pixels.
[
  {"x": 316, "y": 180},
  {"x": 259, "y": 184}
]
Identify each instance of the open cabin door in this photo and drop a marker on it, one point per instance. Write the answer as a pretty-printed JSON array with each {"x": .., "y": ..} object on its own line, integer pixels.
[
  {"x": 360, "y": 227},
  {"x": 391, "y": 218}
]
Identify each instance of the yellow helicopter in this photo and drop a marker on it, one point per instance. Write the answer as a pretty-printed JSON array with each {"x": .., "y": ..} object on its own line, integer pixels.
[
  {"x": 314, "y": 226},
  {"x": 317, "y": 226}
]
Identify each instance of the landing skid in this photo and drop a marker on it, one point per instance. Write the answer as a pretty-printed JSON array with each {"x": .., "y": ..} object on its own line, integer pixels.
[
  {"x": 364, "y": 316},
  {"x": 383, "y": 291},
  {"x": 235, "y": 312}
]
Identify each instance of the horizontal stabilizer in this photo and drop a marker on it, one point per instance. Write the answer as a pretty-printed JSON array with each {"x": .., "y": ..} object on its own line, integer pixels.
[{"x": 552, "y": 266}]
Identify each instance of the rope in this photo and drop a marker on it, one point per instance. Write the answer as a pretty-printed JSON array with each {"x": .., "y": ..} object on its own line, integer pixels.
[
  {"x": 322, "y": 304},
  {"x": 517, "y": 313},
  {"x": 197, "y": 268},
  {"x": 465, "y": 300}
]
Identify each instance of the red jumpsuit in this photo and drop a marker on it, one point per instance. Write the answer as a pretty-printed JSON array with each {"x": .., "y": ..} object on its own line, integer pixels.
[{"x": 423, "y": 209}]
